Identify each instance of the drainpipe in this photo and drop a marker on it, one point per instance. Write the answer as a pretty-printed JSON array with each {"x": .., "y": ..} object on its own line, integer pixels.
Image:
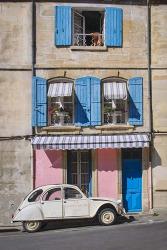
[
  {"x": 33, "y": 34},
  {"x": 150, "y": 181},
  {"x": 33, "y": 37}
]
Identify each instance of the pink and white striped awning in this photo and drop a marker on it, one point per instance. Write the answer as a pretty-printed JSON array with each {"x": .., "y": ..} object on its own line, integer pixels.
[{"x": 75, "y": 142}]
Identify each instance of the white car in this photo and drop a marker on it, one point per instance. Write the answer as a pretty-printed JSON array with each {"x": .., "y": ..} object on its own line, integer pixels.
[{"x": 56, "y": 202}]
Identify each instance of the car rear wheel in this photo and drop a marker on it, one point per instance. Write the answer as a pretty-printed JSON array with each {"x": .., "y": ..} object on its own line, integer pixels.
[
  {"x": 32, "y": 226},
  {"x": 107, "y": 217}
]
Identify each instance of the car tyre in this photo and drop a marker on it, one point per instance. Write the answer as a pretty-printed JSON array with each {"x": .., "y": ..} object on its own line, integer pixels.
[
  {"x": 107, "y": 217},
  {"x": 32, "y": 226}
]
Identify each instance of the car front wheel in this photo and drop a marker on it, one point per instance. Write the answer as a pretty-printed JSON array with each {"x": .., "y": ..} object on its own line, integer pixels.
[
  {"x": 107, "y": 217},
  {"x": 32, "y": 226}
]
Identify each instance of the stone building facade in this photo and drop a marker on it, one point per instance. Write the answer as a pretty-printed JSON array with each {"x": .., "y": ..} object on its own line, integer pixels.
[{"x": 30, "y": 48}]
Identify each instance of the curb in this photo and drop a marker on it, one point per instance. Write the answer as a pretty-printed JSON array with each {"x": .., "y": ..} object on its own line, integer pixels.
[{"x": 6, "y": 229}]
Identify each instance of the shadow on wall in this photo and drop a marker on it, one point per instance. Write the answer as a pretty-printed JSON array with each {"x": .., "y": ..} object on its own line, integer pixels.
[
  {"x": 156, "y": 161},
  {"x": 54, "y": 158},
  {"x": 107, "y": 160}
]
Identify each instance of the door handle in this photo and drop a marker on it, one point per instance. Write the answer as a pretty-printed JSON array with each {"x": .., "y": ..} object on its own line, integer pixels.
[{"x": 65, "y": 201}]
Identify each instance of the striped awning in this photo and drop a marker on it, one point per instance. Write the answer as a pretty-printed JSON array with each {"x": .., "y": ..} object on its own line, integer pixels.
[
  {"x": 60, "y": 89},
  {"x": 73, "y": 142},
  {"x": 115, "y": 90}
]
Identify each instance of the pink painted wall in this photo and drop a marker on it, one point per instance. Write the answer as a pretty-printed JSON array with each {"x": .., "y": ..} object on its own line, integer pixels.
[
  {"x": 48, "y": 167},
  {"x": 107, "y": 173}
]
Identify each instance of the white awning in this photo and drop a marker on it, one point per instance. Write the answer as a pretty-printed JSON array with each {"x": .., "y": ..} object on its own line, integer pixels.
[
  {"x": 72, "y": 142},
  {"x": 115, "y": 90},
  {"x": 60, "y": 89}
]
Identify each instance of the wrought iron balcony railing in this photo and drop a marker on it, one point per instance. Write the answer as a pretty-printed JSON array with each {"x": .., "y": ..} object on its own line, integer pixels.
[{"x": 92, "y": 39}]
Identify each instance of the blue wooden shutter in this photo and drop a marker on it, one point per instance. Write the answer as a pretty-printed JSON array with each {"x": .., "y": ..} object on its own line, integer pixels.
[
  {"x": 39, "y": 102},
  {"x": 136, "y": 101},
  {"x": 113, "y": 27},
  {"x": 63, "y": 25},
  {"x": 82, "y": 101},
  {"x": 95, "y": 101}
]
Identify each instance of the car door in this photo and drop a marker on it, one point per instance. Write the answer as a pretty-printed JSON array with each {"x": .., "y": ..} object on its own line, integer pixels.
[
  {"x": 52, "y": 204},
  {"x": 75, "y": 204}
]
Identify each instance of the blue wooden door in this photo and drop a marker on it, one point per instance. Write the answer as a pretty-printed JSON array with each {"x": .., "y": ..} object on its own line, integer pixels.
[{"x": 132, "y": 185}]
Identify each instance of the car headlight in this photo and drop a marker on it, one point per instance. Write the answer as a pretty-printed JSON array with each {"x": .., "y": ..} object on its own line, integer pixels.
[{"x": 119, "y": 203}]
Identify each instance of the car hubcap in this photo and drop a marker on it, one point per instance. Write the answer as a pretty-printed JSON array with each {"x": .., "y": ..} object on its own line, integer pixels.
[
  {"x": 108, "y": 217},
  {"x": 32, "y": 225}
]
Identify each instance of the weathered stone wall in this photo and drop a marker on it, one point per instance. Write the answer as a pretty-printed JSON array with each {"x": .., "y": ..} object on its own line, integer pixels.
[
  {"x": 160, "y": 171},
  {"x": 15, "y": 39},
  {"x": 159, "y": 36},
  {"x": 132, "y": 54},
  {"x": 15, "y": 176},
  {"x": 159, "y": 89},
  {"x": 15, "y": 105}
]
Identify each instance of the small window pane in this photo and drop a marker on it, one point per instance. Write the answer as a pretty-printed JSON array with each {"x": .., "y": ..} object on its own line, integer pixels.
[
  {"x": 71, "y": 193},
  {"x": 53, "y": 194},
  {"x": 60, "y": 110},
  {"x": 35, "y": 196},
  {"x": 115, "y": 111}
]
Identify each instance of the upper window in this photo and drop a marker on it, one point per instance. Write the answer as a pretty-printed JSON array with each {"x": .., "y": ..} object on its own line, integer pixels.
[
  {"x": 115, "y": 107},
  {"x": 88, "y": 27},
  {"x": 60, "y": 102}
]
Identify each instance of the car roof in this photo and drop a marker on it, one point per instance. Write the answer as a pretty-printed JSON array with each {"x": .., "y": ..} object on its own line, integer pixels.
[{"x": 45, "y": 187}]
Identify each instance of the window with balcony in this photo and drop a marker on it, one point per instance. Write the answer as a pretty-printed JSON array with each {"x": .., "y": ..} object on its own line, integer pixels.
[{"x": 88, "y": 26}]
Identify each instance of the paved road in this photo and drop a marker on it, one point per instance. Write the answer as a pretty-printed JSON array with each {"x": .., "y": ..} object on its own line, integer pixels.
[{"x": 125, "y": 236}]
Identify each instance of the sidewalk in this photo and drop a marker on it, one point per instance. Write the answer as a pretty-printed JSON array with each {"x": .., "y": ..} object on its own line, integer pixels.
[
  {"x": 10, "y": 228},
  {"x": 158, "y": 215}
]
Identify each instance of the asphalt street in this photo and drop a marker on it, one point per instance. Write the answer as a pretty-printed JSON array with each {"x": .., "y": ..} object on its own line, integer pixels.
[{"x": 151, "y": 236}]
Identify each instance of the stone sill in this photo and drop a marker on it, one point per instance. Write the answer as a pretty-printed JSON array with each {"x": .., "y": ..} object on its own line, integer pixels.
[
  {"x": 60, "y": 128},
  {"x": 115, "y": 127},
  {"x": 89, "y": 48}
]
